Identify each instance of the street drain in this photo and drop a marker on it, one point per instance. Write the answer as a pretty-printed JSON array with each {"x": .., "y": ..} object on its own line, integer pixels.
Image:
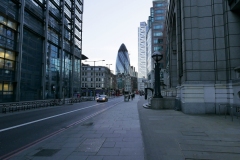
[
  {"x": 46, "y": 152},
  {"x": 87, "y": 124}
]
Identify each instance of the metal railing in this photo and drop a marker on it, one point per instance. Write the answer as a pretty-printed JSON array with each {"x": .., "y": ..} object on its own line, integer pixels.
[
  {"x": 229, "y": 108},
  {"x": 26, "y": 105}
]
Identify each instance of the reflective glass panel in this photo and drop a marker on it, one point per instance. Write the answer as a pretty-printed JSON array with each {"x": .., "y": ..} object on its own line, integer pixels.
[
  {"x": 10, "y": 55},
  {"x": 3, "y": 20},
  {"x": 1, "y": 53},
  {"x": 1, "y": 63}
]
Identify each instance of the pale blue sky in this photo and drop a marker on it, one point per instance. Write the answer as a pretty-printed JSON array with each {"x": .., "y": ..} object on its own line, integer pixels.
[{"x": 109, "y": 23}]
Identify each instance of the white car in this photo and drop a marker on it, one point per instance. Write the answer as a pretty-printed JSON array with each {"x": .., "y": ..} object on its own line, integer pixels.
[{"x": 102, "y": 98}]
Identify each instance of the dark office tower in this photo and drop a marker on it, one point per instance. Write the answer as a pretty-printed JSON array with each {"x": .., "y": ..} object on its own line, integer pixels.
[
  {"x": 40, "y": 49},
  {"x": 123, "y": 61}
]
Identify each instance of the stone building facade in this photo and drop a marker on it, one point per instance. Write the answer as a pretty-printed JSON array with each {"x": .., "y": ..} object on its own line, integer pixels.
[
  {"x": 98, "y": 79},
  {"x": 203, "y": 61}
]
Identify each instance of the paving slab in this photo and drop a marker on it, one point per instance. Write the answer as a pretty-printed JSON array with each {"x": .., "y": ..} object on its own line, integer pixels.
[
  {"x": 113, "y": 134},
  {"x": 173, "y": 135},
  {"x": 129, "y": 131}
]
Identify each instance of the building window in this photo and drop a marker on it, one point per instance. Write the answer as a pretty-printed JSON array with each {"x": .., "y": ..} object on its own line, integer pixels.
[
  {"x": 6, "y": 88},
  {"x": 159, "y": 11},
  {"x": 155, "y": 34},
  {"x": 158, "y": 27},
  {"x": 159, "y": 18},
  {"x": 3, "y": 20},
  {"x": 7, "y": 22},
  {"x": 158, "y": 48},
  {"x": 7, "y": 59},
  {"x": 159, "y": 5},
  {"x": 158, "y": 41}
]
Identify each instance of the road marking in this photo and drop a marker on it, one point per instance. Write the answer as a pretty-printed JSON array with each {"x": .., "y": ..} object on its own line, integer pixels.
[
  {"x": 39, "y": 120},
  {"x": 17, "y": 151}
]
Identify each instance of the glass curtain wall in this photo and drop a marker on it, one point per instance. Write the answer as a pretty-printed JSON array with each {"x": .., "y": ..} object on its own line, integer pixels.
[
  {"x": 40, "y": 67},
  {"x": 8, "y": 54},
  {"x": 31, "y": 66}
]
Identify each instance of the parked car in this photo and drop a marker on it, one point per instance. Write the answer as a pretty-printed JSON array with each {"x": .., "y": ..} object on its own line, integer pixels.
[{"x": 102, "y": 98}]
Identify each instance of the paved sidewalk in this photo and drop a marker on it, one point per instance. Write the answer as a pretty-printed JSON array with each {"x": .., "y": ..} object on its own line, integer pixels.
[
  {"x": 119, "y": 133},
  {"x": 112, "y": 135},
  {"x": 173, "y": 135}
]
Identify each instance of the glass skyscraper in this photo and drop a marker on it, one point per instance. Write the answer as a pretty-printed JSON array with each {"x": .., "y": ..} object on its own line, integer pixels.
[
  {"x": 155, "y": 37},
  {"x": 40, "y": 49},
  {"x": 142, "y": 54},
  {"x": 123, "y": 61},
  {"x": 122, "y": 67}
]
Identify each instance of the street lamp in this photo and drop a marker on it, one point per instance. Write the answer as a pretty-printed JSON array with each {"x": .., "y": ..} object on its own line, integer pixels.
[
  {"x": 157, "y": 56},
  {"x": 94, "y": 77},
  {"x": 109, "y": 78}
]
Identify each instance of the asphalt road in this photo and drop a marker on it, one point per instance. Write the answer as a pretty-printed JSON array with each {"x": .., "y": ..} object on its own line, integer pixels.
[{"x": 20, "y": 130}]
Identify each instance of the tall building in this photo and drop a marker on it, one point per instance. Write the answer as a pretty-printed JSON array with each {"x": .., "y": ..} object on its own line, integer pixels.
[
  {"x": 40, "y": 49},
  {"x": 142, "y": 53},
  {"x": 122, "y": 61},
  {"x": 203, "y": 54},
  {"x": 126, "y": 76},
  {"x": 155, "y": 37}
]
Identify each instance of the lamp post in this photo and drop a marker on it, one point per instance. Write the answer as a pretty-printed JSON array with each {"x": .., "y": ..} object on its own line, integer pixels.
[
  {"x": 109, "y": 78},
  {"x": 157, "y": 56},
  {"x": 94, "y": 77}
]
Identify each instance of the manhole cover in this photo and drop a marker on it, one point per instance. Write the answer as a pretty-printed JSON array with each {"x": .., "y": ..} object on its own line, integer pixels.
[{"x": 46, "y": 152}]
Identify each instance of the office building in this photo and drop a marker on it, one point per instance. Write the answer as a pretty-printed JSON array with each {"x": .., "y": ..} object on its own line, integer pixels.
[
  {"x": 122, "y": 67},
  {"x": 98, "y": 79},
  {"x": 40, "y": 49},
  {"x": 126, "y": 76},
  {"x": 142, "y": 53},
  {"x": 122, "y": 61},
  {"x": 155, "y": 38}
]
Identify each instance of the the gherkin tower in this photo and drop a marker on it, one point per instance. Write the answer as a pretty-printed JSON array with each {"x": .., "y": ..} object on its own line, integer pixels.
[{"x": 122, "y": 61}]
